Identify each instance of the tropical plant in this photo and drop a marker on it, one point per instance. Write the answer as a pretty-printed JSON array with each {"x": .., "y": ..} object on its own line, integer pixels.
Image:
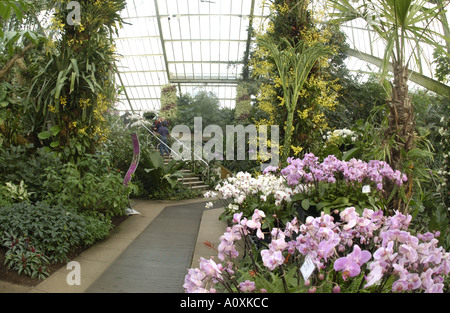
[
  {"x": 295, "y": 22},
  {"x": 354, "y": 253},
  {"x": 24, "y": 258},
  {"x": 55, "y": 230},
  {"x": 75, "y": 87},
  {"x": 168, "y": 101},
  {"x": 402, "y": 25},
  {"x": 155, "y": 175},
  {"x": 91, "y": 186},
  {"x": 18, "y": 193},
  {"x": 294, "y": 64},
  {"x": 243, "y": 103}
]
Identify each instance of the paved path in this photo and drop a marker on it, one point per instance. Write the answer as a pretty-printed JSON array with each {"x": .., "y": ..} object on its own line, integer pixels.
[
  {"x": 156, "y": 261},
  {"x": 148, "y": 253}
]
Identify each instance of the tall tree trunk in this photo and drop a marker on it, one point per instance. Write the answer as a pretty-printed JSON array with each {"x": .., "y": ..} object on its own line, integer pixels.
[{"x": 401, "y": 125}]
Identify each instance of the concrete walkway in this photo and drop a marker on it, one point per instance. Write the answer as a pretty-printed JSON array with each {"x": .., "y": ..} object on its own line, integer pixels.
[{"x": 149, "y": 252}]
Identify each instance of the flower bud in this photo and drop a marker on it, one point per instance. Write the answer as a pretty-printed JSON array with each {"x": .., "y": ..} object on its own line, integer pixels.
[{"x": 336, "y": 289}]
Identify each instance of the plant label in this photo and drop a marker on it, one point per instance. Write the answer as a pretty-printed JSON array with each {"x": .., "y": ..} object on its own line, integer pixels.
[
  {"x": 366, "y": 189},
  {"x": 307, "y": 268}
]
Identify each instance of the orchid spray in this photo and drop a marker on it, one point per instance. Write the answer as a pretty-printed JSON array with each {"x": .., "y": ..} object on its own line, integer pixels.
[{"x": 367, "y": 253}]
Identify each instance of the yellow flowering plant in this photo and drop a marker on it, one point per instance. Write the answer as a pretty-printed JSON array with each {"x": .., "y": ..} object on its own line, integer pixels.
[
  {"x": 76, "y": 87},
  {"x": 318, "y": 95}
]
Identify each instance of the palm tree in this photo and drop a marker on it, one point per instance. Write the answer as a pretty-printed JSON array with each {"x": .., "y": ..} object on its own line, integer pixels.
[{"x": 402, "y": 25}]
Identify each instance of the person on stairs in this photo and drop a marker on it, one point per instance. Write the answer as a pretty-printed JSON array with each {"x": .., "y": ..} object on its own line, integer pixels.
[{"x": 164, "y": 133}]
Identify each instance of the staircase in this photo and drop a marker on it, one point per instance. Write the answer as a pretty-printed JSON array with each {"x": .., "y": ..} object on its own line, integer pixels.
[{"x": 189, "y": 179}]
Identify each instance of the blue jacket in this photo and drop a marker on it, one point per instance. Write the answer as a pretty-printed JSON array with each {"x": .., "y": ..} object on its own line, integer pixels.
[{"x": 163, "y": 131}]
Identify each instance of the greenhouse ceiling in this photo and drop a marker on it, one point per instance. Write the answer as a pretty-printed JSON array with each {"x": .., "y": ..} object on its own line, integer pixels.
[
  {"x": 201, "y": 44},
  {"x": 193, "y": 44}
]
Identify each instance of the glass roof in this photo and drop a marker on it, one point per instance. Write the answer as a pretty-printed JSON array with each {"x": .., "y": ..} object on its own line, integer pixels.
[
  {"x": 193, "y": 44},
  {"x": 200, "y": 45}
]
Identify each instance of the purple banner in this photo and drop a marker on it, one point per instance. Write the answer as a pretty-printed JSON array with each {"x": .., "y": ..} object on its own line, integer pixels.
[{"x": 135, "y": 161}]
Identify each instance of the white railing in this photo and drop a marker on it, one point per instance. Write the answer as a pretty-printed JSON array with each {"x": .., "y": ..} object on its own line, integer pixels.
[{"x": 199, "y": 158}]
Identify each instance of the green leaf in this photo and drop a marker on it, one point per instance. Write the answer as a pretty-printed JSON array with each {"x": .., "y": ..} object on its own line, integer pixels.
[
  {"x": 298, "y": 196},
  {"x": 3, "y": 94},
  {"x": 341, "y": 200},
  {"x": 419, "y": 153},
  {"x": 55, "y": 130},
  {"x": 32, "y": 37},
  {"x": 44, "y": 135},
  {"x": 305, "y": 204},
  {"x": 72, "y": 82},
  {"x": 348, "y": 155},
  {"x": 78, "y": 147}
]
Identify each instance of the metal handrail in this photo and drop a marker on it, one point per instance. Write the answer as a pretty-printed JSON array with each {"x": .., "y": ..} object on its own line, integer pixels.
[
  {"x": 206, "y": 163},
  {"x": 192, "y": 153},
  {"x": 154, "y": 135}
]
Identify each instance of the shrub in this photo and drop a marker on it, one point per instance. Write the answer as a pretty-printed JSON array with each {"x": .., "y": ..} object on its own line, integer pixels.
[
  {"x": 24, "y": 258},
  {"x": 91, "y": 186},
  {"x": 19, "y": 163},
  {"x": 55, "y": 230}
]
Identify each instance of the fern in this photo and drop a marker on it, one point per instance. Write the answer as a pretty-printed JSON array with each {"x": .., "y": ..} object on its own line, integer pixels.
[{"x": 354, "y": 286}]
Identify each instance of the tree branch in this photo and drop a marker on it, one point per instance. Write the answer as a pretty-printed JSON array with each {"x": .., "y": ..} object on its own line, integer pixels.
[{"x": 10, "y": 64}]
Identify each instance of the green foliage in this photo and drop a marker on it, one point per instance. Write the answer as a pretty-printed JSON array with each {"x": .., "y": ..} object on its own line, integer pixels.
[
  {"x": 168, "y": 101},
  {"x": 11, "y": 126},
  {"x": 17, "y": 193},
  {"x": 24, "y": 258},
  {"x": 205, "y": 105},
  {"x": 20, "y": 163},
  {"x": 155, "y": 176},
  {"x": 90, "y": 186},
  {"x": 442, "y": 66},
  {"x": 274, "y": 282},
  {"x": 119, "y": 146},
  {"x": 328, "y": 198},
  {"x": 243, "y": 103},
  {"x": 73, "y": 85},
  {"x": 294, "y": 64},
  {"x": 357, "y": 99},
  {"x": 55, "y": 230}
]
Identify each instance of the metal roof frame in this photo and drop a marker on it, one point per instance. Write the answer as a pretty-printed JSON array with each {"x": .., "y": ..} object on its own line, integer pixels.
[
  {"x": 201, "y": 45},
  {"x": 210, "y": 56}
]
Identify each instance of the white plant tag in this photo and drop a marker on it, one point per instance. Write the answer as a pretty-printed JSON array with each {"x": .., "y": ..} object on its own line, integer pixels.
[
  {"x": 307, "y": 268},
  {"x": 366, "y": 189}
]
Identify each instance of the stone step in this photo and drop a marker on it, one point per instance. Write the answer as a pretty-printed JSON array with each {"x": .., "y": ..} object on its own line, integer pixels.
[
  {"x": 189, "y": 178},
  {"x": 196, "y": 182},
  {"x": 200, "y": 187}
]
